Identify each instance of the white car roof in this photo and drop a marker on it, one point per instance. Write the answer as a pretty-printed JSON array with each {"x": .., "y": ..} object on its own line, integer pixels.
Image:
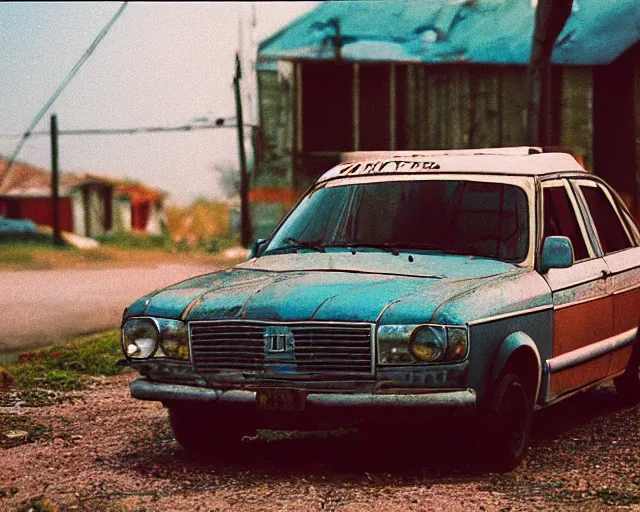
[{"x": 523, "y": 161}]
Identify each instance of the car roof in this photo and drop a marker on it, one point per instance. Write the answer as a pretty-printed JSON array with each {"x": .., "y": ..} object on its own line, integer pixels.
[{"x": 521, "y": 161}]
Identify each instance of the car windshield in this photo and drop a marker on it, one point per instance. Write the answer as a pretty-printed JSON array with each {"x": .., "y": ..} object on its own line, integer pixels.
[{"x": 450, "y": 216}]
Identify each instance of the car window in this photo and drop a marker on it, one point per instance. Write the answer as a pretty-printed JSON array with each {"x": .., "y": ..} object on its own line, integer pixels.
[
  {"x": 451, "y": 216},
  {"x": 611, "y": 232},
  {"x": 632, "y": 227},
  {"x": 560, "y": 220}
]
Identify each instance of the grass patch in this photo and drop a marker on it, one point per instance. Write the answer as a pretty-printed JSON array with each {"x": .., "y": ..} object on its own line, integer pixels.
[
  {"x": 25, "y": 253},
  {"x": 29, "y": 238},
  {"x": 62, "y": 367},
  {"x": 32, "y": 254},
  {"x": 129, "y": 240},
  {"x": 99, "y": 254}
]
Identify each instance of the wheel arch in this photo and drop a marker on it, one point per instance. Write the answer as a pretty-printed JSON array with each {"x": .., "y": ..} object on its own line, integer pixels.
[{"x": 519, "y": 354}]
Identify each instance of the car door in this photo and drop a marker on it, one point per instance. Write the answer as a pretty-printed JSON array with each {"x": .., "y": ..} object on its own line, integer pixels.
[
  {"x": 582, "y": 300},
  {"x": 617, "y": 236}
]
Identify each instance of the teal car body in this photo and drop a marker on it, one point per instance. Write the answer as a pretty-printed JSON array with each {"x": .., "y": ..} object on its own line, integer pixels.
[{"x": 352, "y": 326}]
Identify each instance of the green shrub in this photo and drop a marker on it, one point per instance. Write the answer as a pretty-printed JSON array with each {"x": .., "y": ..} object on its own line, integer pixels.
[
  {"x": 215, "y": 244},
  {"x": 63, "y": 366}
]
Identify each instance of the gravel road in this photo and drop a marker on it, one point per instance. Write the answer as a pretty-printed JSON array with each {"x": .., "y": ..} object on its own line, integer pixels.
[
  {"x": 108, "y": 452},
  {"x": 40, "y": 307}
]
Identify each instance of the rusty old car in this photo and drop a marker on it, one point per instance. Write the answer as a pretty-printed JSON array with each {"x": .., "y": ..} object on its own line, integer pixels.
[{"x": 482, "y": 283}]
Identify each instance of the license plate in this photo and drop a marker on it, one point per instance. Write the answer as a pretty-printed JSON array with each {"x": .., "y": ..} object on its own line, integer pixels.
[{"x": 281, "y": 400}]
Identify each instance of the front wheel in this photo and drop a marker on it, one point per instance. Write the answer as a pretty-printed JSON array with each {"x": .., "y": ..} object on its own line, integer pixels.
[
  {"x": 628, "y": 384},
  {"x": 200, "y": 431},
  {"x": 506, "y": 425}
]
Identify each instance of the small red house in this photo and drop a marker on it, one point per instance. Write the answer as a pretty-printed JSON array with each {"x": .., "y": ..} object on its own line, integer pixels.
[
  {"x": 90, "y": 205},
  {"x": 146, "y": 207}
]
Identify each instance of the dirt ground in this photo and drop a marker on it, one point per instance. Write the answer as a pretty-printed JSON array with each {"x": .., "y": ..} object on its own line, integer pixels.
[{"x": 108, "y": 452}]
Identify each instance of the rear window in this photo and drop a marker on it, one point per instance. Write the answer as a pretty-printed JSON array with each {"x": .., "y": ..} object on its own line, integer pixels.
[{"x": 611, "y": 232}]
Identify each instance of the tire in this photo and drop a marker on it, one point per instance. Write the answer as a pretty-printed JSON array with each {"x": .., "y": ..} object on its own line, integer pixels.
[
  {"x": 628, "y": 384},
  {"x": 506, "y": 425},
  {"x": 200, "y": 431}
]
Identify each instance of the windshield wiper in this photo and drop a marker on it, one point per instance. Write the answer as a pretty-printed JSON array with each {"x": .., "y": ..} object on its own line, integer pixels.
[
  {"x": 296, "y": 244},
  {"x": 392, "y": 248}
]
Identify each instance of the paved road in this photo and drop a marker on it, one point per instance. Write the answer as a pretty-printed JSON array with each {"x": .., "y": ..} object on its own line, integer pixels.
[{"x": 39, "y": 307}]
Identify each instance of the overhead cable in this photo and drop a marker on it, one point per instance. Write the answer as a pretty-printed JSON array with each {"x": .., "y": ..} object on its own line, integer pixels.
[
  {"x": 63, "y": 84},
  {"x": 220, "y": 123}
]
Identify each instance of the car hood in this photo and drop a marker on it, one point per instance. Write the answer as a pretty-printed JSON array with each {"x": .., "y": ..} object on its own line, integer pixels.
[{"x": 324, "y": 287}]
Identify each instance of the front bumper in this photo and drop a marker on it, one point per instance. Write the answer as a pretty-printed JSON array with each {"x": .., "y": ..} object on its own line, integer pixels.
[{"x": 458, "y": 400}]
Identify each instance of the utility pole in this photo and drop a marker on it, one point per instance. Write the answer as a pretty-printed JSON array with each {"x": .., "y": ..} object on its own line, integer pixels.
[
  {"x": 245, "y": 221},
  {"x": 551, "y": 17},
  {"x": 55, "y": 182}
]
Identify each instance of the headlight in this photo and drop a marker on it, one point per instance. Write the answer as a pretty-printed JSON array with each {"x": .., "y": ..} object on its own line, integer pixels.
[
  {"x": 139, "y": 338},
  {"x": 428, "y": 342},
  {"x": 406, "y": 344},
  {"x": 173, "y": 338},
  {"x": 143, "y": 338},
  {"x": 393, "y": 344},
  {"x": 457, "y": 343}
]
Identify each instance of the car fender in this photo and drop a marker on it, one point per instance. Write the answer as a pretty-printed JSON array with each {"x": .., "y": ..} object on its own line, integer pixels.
[{"x": 516, "y": 341}]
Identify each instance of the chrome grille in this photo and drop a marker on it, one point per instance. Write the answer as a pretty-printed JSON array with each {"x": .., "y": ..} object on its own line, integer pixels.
[{"x": 318, "y": 347}]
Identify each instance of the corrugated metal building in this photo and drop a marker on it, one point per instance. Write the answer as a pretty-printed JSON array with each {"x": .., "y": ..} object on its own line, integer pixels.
[{"x": 368, "y": 75}]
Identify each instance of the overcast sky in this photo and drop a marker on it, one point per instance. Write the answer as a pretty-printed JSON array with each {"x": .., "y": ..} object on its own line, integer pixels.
[{"x": 162, "y": 64}]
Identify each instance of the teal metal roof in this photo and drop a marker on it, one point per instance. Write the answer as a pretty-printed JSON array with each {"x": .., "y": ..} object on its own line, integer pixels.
[{"x": 436, "y": 31}]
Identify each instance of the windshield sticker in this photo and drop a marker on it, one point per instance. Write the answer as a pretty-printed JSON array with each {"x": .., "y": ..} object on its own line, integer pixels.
[{"x": 388, "y": 166}]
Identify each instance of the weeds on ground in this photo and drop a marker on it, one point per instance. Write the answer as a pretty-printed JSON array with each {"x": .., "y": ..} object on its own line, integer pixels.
[
  {"x": 130, "y": 240},
  {"x": 29, "y": 431},
  {"x": 17, "y": 253},
  {"x": 63, "y": 367},
  {"x": 38, "y": 504}
]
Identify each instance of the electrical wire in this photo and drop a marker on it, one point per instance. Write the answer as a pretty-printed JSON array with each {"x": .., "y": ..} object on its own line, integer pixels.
[
  {"x": 220, "y": 123},
  {"x": 62, "y": 85}
]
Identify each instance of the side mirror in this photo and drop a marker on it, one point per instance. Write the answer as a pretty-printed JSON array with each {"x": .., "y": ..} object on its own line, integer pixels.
[
  {"x": 557, "y": 252},
  {"x": 258, "y": 248}
]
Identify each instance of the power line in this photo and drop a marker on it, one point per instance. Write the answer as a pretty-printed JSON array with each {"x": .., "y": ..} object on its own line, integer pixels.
[
  {"x": 62, "y": 85},
  {"x": 220, "y": 123}
]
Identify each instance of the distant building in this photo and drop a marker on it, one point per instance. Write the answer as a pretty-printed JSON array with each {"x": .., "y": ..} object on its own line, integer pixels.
[
  {"x": 363, "y": 75},
  {"x": 140, "y": 208},
  {"x": 90, "y": 205}
]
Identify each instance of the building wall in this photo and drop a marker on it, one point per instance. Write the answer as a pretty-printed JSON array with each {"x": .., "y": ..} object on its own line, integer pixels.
[
  {"x": 615, "y": 122},
  {"x": 156, "y": 219},
  {"x": 577, "y": 112},
  {"x": 311, "y": 112},
  {"x": 97, "y": 204},
  {"x": 276, "y": 101},
  {"x": 272, "y": 182},
  {"x": 121, "y": 213},
  {"x": 38, "y": 209},
  {"x": 77, "y": 205}
]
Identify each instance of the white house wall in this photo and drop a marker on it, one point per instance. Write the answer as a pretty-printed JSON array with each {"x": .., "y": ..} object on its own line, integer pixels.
[{"x": 77, "y": 208}]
